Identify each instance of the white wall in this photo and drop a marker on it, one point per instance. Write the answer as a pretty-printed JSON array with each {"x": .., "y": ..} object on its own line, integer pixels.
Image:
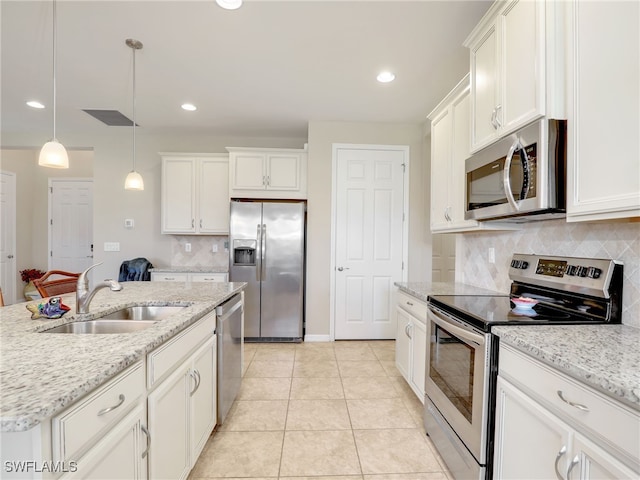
[
  {"x": 322, "y": 135},
  {"x": 32, "y": 202}
]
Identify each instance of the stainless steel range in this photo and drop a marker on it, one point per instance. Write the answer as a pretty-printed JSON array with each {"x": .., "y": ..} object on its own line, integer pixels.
[{"x": 462, "y": 353}]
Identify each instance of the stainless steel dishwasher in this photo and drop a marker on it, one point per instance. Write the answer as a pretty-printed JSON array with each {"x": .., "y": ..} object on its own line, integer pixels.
[{"x": 229, "y": 331}]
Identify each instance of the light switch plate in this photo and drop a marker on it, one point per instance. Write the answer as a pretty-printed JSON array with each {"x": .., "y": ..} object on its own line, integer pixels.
[
  {"x": 111, "y": 246},
  {"x": 129, "y": 223}
]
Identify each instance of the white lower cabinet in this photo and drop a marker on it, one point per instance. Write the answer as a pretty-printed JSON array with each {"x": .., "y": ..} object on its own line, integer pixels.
[
  {"x": 411, "y": 341},
  {"x": 182, "y": 414},
  {"x": 119, "y": 455},
  {"x": 541, "y": 436}
]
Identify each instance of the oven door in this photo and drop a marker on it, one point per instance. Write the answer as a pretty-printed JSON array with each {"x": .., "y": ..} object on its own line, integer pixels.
[{"x": 457, "y": 378}]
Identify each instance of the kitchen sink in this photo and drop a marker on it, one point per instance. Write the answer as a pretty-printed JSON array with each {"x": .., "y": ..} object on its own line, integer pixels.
[
  {"x": 102, "y": 326},
  {"x": 142, "y": 312},
  {"x": 125, "y": 320}
]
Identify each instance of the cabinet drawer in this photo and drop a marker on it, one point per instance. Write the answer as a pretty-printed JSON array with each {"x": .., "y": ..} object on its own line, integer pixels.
[
  {"x": 604, "y": 418},
  {"x": 76, "y": 429},
  {"x": 168, "y": 277},
  {"x": 166, "y": 357},
  {"x": 412, "y": 305},
  {"x": 208, "y": 277}
]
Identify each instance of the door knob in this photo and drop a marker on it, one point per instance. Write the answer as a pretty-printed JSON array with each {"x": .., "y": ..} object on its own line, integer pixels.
[{"x": 342, "y": 268}]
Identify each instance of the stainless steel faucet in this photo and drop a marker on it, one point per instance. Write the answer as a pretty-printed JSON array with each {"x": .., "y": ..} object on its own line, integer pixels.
[{"x": 84, "y": 295}]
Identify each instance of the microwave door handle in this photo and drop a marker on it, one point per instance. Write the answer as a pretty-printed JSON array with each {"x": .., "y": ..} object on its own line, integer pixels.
[{"x": 506, "y": 180}]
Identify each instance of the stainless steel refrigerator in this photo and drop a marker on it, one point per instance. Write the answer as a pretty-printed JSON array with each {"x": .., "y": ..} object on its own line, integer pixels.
[{"x": 267, "y": 250}]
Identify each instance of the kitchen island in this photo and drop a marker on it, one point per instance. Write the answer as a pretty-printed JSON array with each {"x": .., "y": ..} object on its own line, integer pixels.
[{"x": 44, "y": 376}]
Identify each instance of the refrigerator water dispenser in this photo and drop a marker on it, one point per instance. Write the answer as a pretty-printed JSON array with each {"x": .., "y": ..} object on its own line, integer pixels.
[{"x": 244, "y": 252}]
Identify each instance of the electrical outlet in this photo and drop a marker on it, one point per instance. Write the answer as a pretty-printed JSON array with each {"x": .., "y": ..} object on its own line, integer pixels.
[
  {"x": 492, "y": 255},
  {"x": 129, "y": 223},
  {"x": 187, "y": 247},
  {"x": 214, "y": 249}
]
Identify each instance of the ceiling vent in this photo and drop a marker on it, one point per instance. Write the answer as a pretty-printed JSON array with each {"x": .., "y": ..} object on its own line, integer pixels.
[{"x": 113, "y": 118}]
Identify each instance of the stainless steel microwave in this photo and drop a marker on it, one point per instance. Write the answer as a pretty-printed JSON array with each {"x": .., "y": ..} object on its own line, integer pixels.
[{"x": 522, "y": 177}]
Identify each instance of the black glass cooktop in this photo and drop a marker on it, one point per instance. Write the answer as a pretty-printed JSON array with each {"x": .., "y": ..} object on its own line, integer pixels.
[{"x": 483, "y": 312}]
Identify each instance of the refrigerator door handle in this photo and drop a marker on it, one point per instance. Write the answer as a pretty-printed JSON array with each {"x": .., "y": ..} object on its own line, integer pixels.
[
  {"x": 259, "y": 253},
  {"x": 263, "y": 251}
]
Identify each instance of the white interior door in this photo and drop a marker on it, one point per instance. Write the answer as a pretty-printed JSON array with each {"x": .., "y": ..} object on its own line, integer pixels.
[
  {"x": 8, "y": 236},
  {"x": 71, "y": 224},
  {"x": 443, "y": 258},
  {"x": 369, "y": 239}
]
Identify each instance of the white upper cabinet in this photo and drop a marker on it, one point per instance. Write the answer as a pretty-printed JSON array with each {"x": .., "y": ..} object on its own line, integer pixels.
[
  {"x": 195, "y": 194},
  {"x": 450, "y": 133},
  {"x": 603, "y": 168},
  {"x": 516, "y": 68},
  {"x": 267, "y": 173}
]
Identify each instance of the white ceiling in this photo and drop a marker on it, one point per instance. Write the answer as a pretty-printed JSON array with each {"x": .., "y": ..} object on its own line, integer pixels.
[{"x": 264, "y": 70}]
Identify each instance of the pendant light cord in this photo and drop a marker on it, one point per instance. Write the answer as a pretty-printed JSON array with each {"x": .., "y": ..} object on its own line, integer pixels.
[
  {"x": 54, "y": 67},
  {"x": 134, "y": 109}
]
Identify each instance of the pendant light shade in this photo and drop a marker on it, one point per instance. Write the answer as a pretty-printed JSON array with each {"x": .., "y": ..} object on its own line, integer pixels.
[
  {"x": 53, "y": 154},
  {"x": 134, "y": 179}
]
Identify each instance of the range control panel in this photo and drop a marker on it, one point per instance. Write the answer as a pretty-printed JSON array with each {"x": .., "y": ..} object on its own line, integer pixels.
[{"x": 587, "y": 275}]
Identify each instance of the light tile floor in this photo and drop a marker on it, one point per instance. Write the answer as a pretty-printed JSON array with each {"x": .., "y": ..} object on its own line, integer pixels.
[{"x": 322, "y": 411}]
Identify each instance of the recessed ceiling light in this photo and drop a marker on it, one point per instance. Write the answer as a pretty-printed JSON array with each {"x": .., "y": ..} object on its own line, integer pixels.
[
  {"x": 35, "y": 104},
  {"x": 385, "y": 77},
  {"x": 229, "y": 4},
  {"x": 189, "y": 107}
]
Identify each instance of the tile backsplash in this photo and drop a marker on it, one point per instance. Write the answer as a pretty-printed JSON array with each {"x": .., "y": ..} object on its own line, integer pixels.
[
  {"x": 201, "y": 254},
  {"x": 615, "y": 240}
]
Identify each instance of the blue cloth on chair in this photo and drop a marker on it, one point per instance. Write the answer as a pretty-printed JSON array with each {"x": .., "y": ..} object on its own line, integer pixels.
[{"x": 136, "y": 270}]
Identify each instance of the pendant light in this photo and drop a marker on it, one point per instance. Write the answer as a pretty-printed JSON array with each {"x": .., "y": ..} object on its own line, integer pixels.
[
  {"x": 134, "y": 179},
  {"x": 53, "y": 154}
]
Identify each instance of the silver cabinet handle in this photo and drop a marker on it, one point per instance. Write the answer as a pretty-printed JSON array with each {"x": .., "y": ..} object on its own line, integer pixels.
[
  {"x": 200, "y": 223},
  {"x": 193, "y": 223},
  {"x": 574, "y": 462},
  {"x": 148, "y": 435},
  {"x": 264, "y": 180},
  {"x": 196, "y": 376},
  {"x": 407, "y": 330},
  {"x": 410, "y": 304},
  {"x": 493, "y": 119},
  {"x": 498, "y": 122},
  {"x": 268, "y": 180},
  {"x": 561, "y": 453},
  {"x": 108, "y": 409},
  {"x": 579, "y": 406}
]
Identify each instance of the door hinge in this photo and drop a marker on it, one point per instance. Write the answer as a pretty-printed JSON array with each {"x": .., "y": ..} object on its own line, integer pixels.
[
  {"x": 51, "y": 222},
  {"x": 51, "y": 253},
  {"x": 51, "y": 190},
  {"x": 403, "y": 265}
]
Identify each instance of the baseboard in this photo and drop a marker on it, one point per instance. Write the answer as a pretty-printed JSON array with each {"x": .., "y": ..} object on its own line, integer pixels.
[{"x": 317, "y": 338}]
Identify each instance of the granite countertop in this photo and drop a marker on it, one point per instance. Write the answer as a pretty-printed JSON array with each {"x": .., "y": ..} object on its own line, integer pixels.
[
  {"x": 424, "y": 290},
  {"x": 605, "y": 357},
  {"x": 41, "y": 374},
  {"x": 223, "y": 269}
]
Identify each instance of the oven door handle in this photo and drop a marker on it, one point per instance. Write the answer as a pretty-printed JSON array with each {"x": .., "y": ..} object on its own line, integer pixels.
[
  {"x": 506, "y": 179},
  {"x": 458, "y": 331}
]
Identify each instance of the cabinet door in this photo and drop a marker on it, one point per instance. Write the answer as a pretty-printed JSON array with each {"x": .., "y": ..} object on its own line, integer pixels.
[
  {"x": 460, "y": 151},
  {"x": 440, "y": 170},
  {"x": 530, "y": 442},
  {"x": 178, "y": 195},
  {"x": 247, "y": 171},
  {"x": 203, "y": 397},
  {"x": 213, "y": 196},
  {"x": 169, "y": 426},
  {"x": 603, "y": 171},
  {"x": 403, "y": 342},
  {"x": 522, "y": 78},
  {"x": 118, "y": 455},
  {"x": 283, "y": 172},
  {"x": 418, "y": 357},
  {"x": 593, "y": 463},
  {"x": 484, "y": 89}
]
